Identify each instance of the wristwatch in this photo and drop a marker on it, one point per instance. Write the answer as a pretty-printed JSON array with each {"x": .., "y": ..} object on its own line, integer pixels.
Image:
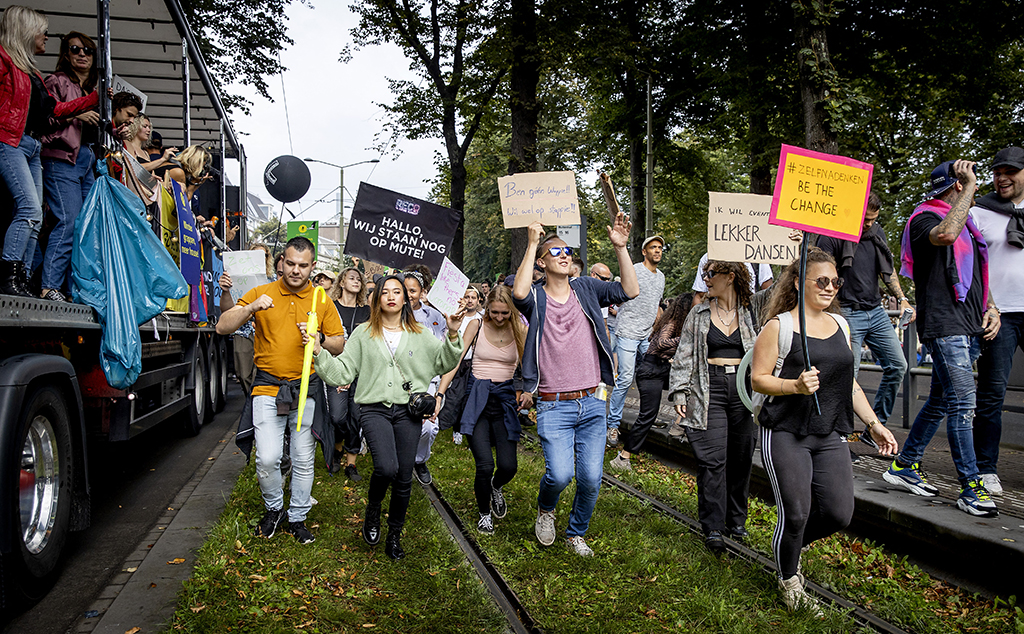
[{"x": 323, "y": 338}]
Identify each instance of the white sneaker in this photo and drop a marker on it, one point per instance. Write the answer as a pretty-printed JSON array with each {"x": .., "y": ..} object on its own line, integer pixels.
[
  {"x": 485, "y": 525},
  {"x": 363, "y": 448},
  {"x": 992, "y": 483},
  {"x": 619, "y": 463},
  {"x": 794, "y": 597},
  {"x": 457, "y": 438},
  {"x": 577, "y": 545},
  {"x": 545, "y": 527},
  {"x": 613, "y": 436}
]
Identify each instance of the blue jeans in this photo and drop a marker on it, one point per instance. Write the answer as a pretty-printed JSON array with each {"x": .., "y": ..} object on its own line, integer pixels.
[
  {"x": 269, "y": 436},
  {"x": 874, "y": 328},
  {"x": 628, "y": 350},
  {"x": 993, "y": 369},
  {"x": 952, "y": 396},
  {"x": 572, "y": 435},
  {"x": 22, "y": 171},
  {"x": 67, "y": 186}
]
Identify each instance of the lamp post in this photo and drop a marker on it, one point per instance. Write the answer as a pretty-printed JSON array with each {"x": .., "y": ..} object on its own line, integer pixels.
[{"x": 341, "y": 193}]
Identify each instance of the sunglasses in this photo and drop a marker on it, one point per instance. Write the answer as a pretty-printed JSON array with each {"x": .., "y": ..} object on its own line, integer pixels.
[
  {"x": 603, "y": 278},
  {"x": 76, "y": 49},
  {"x": 557, "y": 251},
  {"x": 707, "y": 275},
  {"x": 823, "y": 282}
]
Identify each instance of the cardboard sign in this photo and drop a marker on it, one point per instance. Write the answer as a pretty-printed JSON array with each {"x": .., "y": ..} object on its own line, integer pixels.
[
  {"x": 247, "y": 269},
  {"x": 738, "y": 231},
  {"x": 449, "y": 287},
  {"x": 188, "y": 237},
  {"x": 546, "y": 197},
  {"x": 309, "y": 229},
  {"x": 120, "y": 85},
  {"x": 399, "y": 230},
  {"x": 821, "y": 193}
]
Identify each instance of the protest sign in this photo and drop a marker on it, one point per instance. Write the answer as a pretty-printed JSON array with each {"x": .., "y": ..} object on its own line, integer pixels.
[
  {"x": 399, "y": 230},
  {"x": 821, "y": 193},
  {"x": 449, "y": 287},
  {"x": 307, "y": 229},
  {"x": 120, "y": 85},
  {"x": 546, "y": 197},
  {"x": 570, "y": 235},
  {"x": 248, "y": 269},
  {"x": 188, "y": 236},
  {"x": 738, "y": 230}
]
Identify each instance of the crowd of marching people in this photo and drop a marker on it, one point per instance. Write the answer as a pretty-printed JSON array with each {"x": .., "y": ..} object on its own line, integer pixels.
[
  {"x": 52, "y": 146},
  {"x": 389, "y": 371}
]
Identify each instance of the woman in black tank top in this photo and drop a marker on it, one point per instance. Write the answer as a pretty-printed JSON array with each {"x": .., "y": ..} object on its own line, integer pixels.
[{"x": 807, "y": 463}]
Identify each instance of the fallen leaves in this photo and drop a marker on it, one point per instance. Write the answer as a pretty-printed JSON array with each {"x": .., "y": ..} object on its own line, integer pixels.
[
  {"x": 134, "y": 630},
  {"x": 198, "y": 608},
  {"x": 176, "y": 561}
]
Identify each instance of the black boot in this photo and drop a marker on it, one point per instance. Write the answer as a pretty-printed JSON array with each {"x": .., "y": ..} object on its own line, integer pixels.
[
  {"x": 11, "y": 274},
  {"x": 393, "y": 546},
  {"x": 371, "y": 525}
]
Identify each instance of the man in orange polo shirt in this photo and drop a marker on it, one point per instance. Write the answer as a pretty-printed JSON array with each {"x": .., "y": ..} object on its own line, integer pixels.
[{"x": 280, "y": 310}]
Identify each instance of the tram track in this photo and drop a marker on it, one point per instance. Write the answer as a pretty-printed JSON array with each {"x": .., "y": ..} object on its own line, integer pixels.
[{"x": 518, "y": 616}]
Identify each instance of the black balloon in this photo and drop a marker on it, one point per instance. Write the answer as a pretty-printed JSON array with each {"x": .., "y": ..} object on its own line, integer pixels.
[{"x": 287, "y": 178}]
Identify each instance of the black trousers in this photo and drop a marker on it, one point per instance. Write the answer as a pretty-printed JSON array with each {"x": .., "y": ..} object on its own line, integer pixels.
[
  {"x": 650, "y": 405},
  {"x": 490, "y": 431},
  {"x": 345, "y": 417},
  {"x": 724, "y": 453},
  {"x": 392, "y": 436},
  {"x": 812, "y": 479}
]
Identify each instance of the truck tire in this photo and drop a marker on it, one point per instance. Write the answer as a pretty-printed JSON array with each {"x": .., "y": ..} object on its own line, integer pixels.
[
  {"x": 200, "y": 401},
  {"x": 213, "y": 393},
  {"x": 42, "y": 507},
  {"x": 222, "y": 351}
]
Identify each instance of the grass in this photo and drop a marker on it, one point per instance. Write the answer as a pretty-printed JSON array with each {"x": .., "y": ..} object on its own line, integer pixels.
[{"x": 650, "y": 574}]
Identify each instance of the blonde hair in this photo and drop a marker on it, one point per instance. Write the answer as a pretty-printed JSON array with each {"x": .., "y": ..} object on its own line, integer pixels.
[
  {"x": 336, "y": 289},
  {"x": 503, "y": 294},
  {"x": 136, "y": 125},
  {"x": 194, "y": 160},
  {"x": 19, "y": 27}
]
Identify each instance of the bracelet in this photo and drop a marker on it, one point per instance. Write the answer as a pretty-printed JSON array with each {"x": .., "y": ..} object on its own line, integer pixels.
[
  {"x": 873, "y": 423},
  {"x": 993, "y": 308},
  {"x": 453, "y": 340}
]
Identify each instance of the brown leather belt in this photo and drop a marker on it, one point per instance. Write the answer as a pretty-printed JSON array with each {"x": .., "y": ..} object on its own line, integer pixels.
[{"x": 566, "y": 396}]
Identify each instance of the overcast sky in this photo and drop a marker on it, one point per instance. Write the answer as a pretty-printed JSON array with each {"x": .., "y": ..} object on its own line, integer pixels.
[{"x": 332, "y": 113}]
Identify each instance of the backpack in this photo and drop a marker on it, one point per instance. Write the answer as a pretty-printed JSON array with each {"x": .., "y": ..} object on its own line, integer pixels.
[{"x": 757, "y": 400}]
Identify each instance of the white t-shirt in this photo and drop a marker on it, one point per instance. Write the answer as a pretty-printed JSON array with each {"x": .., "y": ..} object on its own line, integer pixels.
[
  {"x": 462, "y": 331},
  {"x": 764, "y": 274},
  {"x": 391, "y": 338},
  {"x": 1005, "y": 262}
]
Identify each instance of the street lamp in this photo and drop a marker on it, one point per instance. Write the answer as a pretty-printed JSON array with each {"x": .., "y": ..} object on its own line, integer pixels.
[
  {"x": 341, "y": 189},
  {"x": 341, "y": 182}
]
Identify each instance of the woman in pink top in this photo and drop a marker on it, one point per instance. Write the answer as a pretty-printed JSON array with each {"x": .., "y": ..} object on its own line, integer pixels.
[{"x": 490, "y": 418}]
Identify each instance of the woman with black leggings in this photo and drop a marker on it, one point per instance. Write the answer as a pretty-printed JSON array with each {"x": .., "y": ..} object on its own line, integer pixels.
[
  {"x": 490, "y": 418},
  {"x": 392, "y": 355},
  {"x": 802, "y": 449}
]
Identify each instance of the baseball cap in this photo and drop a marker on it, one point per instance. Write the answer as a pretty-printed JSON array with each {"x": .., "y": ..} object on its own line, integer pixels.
[
  {"x": 1010, "y": 157},
  {"x": 941, "y": 179},
  {"x": 652, "y": 239}
]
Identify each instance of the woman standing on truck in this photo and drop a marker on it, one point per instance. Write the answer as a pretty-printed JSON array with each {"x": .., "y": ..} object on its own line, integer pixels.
[
  {"x": 349, "y": 295},
  {"x": 394, "y": 356},
  {"x": 25, "y": 110},
  {"x": 802, "y": 442},
  {"x": 67, "y": 157}
]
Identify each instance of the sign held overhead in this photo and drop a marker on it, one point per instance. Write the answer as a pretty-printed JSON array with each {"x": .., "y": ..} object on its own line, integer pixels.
[{"x": 549, "y": 198}]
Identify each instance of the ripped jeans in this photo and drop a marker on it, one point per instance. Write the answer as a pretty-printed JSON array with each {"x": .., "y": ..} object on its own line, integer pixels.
[
  {"x": 269, "y": 436},
  {"x": 952, "y": 396}
]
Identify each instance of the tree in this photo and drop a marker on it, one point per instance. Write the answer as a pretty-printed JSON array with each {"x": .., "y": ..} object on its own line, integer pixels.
[
  {"x": 452, "y": 46},
  {"x": 240, "y": 40}
]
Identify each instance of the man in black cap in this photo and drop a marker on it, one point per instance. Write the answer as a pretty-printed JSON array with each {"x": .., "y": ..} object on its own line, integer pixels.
[
  {"x": 947, "y": 257},
  {"x": 1000, "y": 218}
]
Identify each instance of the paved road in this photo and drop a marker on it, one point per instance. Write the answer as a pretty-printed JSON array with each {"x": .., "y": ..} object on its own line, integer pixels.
[{"x": 132, "y": 485}]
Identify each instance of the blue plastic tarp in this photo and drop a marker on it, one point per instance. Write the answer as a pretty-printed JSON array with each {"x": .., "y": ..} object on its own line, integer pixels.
[{"x": 120, "y": 268}]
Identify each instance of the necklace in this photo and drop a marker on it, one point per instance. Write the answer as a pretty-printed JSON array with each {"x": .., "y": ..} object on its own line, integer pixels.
[
  {"x": 390, "y": 329},
  {"x": 718, "y": 311}
]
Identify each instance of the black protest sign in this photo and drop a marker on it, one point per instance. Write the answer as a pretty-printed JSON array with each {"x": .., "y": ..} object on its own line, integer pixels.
[{"x": 398, "y": 230}]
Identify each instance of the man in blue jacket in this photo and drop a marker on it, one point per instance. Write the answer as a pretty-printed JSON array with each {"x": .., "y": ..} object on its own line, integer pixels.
[{"x": 567, "y": 355}]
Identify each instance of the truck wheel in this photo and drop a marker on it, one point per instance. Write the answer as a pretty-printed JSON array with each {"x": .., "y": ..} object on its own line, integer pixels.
[
  {"x": 213, "y": 393},
  {"x": 200, "y": 384},
  {"x": 43, "y": 505},
  {"x": 222, "y": 351}
]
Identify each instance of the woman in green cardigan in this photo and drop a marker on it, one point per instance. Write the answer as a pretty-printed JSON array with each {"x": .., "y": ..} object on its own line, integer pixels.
[{"x": 392, "y": 335}]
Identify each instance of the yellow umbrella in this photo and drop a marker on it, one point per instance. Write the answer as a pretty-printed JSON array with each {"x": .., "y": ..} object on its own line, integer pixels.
[{"x": 307, "y": 356}]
